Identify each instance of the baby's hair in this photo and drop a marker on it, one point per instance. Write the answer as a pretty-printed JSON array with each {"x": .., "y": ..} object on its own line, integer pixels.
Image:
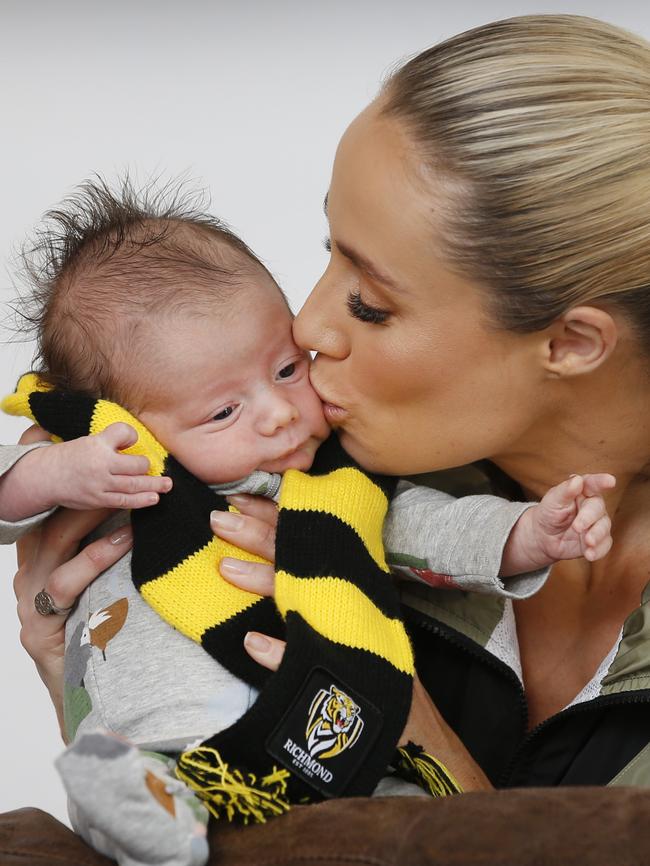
[{"x": 107, "y": 263}]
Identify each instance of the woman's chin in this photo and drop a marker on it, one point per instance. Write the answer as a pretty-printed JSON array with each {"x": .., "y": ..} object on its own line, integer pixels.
[{"x": 364, "y": 456}]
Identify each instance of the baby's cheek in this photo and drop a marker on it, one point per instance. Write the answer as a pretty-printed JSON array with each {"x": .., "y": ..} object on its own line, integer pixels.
[
  {"x": 320, "y": 427},
  {"x": 228, "y": 460}
]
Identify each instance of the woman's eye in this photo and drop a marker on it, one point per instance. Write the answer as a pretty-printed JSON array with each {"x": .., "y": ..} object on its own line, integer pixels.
[
  {"x": 327, "y": 244},
  {"x": 225, "y": 413},
  {"x": 364, "y": 312},
  {"x": 287, "y": 372}
]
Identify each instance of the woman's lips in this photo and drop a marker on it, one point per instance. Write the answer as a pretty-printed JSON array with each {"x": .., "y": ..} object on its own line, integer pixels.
[{"x": 334, "y": 414}]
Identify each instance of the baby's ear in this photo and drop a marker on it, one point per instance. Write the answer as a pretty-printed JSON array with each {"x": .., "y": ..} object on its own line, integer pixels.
[{"x": 580, "y": 341}]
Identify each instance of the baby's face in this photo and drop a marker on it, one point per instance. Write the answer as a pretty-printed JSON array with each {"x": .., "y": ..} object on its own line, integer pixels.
[{"x": 237, "y": 393}]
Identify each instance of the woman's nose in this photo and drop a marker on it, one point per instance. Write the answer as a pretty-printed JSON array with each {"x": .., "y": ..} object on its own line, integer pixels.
[
  {"x": 277, "y": 414},
  {"x": 318, "y": 325}
]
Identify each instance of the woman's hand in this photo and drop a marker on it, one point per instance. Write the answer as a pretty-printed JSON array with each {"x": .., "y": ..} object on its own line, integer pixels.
[
  {"x": 48, "y": 559},
  {"x": 253, "y": 529}
]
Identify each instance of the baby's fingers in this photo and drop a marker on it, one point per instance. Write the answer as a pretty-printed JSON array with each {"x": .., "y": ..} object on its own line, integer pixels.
[
  {"x": 590, "y": 510},
  {"x": 119, "y": 435},
  {"x": 136, "y": 491},
  {"x": 597, "y": 483},
  {"x": 129, "y": 464},
  {"x": 598, "y": 540},
  {"x": 563, "y": 496}
]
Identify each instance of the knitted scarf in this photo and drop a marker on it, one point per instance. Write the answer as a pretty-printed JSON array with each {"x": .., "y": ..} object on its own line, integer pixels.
[{"x": 327, "y": 722}]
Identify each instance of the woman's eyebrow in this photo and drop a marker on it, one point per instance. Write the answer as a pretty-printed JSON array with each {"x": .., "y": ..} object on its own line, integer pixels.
[
  {"x": 362, "y": 262},
  {"x": 366, "y": 266}
]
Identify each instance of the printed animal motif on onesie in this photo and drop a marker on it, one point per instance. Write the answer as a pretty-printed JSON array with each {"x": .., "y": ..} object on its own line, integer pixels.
[
  {"x": 104, "y": 624},
  {"x": 101, "y": 627}
]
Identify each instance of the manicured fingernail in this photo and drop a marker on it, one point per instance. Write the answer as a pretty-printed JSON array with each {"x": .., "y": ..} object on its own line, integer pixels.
[
  {"x": 226, "y": 520},
  {"x": 121, "y": 535},
  {"x": 258, "y": 642},
  {"x": 234, "y": 566},
  {"x": 238, "y": 499}
]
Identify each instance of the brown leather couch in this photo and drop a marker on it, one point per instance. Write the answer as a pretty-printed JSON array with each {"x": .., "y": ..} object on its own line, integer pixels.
[{"x": 532, "y": 827}]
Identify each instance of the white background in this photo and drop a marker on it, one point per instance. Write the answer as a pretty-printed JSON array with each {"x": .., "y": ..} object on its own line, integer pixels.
[{"x": 249, "y": 98}]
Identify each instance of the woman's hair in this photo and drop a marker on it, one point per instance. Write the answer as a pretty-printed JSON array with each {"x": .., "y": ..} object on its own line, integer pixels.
[{"x": 538, "y": 131}]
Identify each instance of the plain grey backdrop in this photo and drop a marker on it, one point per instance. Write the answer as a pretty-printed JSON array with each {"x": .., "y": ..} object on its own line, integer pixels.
[{"x": 246, "y": 98}]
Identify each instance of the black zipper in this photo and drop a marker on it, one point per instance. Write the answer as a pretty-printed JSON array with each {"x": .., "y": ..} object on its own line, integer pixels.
[
  {"x": 642, "y": 697},
  {"x": 491, "y": 661},
  {"x": 476, "y": 651}
]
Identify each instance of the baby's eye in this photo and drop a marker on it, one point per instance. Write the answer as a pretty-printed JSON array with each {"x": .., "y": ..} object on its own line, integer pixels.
[
  {"x": 225, "y": 413},
  {"x": 287, "y": 372}
]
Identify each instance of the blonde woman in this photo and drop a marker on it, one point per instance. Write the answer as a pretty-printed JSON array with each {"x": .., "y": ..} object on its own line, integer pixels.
[{"x": 487, "y": 299}]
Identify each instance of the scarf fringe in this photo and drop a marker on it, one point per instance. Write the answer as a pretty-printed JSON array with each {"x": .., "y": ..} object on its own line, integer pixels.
[
  {"x": 230, "y": 793},
  {"x": 416, "y": 765}
]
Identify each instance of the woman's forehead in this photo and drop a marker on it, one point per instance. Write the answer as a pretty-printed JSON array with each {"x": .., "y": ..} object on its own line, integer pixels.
[{"x": 382, "y": 204}]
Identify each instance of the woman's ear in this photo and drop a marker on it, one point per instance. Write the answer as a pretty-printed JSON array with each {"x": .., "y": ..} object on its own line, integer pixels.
[{"x": 580, "y": 341}]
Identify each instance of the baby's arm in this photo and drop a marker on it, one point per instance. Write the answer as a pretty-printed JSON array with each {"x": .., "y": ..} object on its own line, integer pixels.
[
  {"x": 465, "y": 543},
  {"x": 89, "y": 472},
  {"x": 570, "y": 521},
  {"x": 456, "y": 543}
]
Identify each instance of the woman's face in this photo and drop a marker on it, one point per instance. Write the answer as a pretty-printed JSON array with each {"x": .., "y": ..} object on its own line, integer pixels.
[{"x": 412, "y": 372}]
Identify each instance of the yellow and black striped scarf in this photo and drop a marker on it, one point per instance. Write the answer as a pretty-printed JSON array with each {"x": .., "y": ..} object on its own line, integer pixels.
[{"x": 327, "y": 722}]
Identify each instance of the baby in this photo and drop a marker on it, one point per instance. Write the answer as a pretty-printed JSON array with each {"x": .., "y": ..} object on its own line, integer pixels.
[{"x": 170, "y": 315}]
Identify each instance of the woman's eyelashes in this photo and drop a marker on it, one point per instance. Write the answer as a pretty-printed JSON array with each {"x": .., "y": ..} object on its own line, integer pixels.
[
  {"x": 356, "y": 307},
  {"x": 365, "y": 313}
]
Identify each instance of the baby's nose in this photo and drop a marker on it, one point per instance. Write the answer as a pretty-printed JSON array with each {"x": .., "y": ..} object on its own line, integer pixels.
[{"x": 277, "y": 414}]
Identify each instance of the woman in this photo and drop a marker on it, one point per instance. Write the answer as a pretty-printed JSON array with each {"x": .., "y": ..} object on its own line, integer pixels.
[{"x": 487, "y": 299}]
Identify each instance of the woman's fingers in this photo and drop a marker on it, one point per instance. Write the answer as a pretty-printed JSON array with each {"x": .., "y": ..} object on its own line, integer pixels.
[
  {"x": 64, "y": 583},
  {"x": 252, "y": 529},
  {"x": 267, "y": 651},
  {"x": 255, "y": 506},
  {"x": 68, "y": 581},
  {"x": 250, "y": 532},
  {"x": 48, "y": 561},
  {"x": 58, "y": 538},
  {"x": 257, "y": 577}
]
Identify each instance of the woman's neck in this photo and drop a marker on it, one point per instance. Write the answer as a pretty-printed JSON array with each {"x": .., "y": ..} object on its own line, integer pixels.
[
  {"x": 598, "y": 423},
  {"x": 602, "y": 425}
]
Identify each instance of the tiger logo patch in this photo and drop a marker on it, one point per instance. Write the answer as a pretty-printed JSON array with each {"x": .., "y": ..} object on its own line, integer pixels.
[{"x": 334, "y": 723}]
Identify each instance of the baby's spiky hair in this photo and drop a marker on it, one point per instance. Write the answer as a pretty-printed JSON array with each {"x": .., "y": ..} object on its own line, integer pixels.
[{"x": 107, "y": 262}]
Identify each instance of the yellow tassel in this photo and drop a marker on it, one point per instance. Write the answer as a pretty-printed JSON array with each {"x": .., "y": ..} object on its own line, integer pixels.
[
  {"x": 230, "y": 793},
  {"x": 428, "y": 772}
]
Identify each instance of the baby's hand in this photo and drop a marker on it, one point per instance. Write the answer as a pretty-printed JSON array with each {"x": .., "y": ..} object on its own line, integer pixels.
[
  {"x": 90, "y": 472},
  {"x": 570, "y": 521}
]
